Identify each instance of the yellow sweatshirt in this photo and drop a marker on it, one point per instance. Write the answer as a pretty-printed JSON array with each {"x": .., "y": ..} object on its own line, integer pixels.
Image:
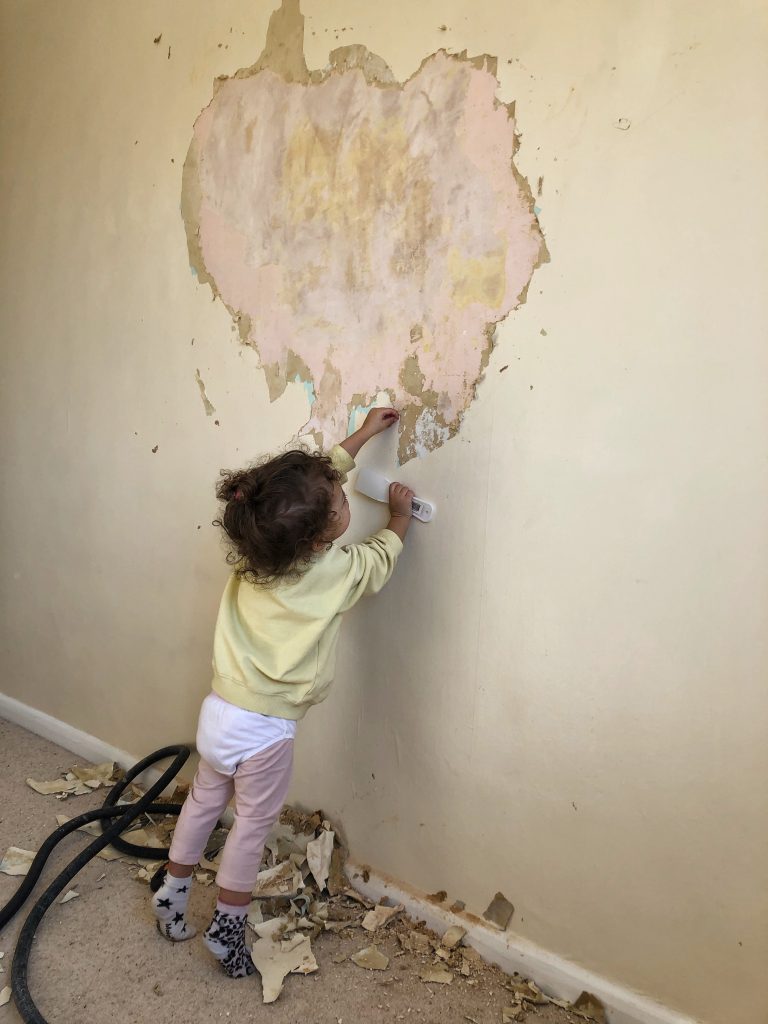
[{"x": 274, "y": 649}]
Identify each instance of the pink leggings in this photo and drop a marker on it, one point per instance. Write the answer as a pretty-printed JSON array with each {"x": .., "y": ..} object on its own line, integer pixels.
[{"x": 260, "y": 786}]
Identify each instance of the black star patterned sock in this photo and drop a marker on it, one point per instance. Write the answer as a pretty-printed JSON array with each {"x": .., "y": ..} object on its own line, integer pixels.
[
  {"x": 225, "y": 938},
  {"x": 170, "y": 905}
]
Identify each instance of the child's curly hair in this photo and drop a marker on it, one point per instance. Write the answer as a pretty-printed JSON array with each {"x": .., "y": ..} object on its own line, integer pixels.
[{"x": 275, "y": 512}]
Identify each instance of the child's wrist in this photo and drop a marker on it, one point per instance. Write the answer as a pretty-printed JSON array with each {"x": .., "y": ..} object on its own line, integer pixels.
[
  {"x": 399, "y": 525},
  {"x": 365, "y": 434}
]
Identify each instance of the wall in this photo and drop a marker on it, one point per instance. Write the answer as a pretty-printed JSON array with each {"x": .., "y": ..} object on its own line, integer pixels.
[{"x": 561, "y": 695}]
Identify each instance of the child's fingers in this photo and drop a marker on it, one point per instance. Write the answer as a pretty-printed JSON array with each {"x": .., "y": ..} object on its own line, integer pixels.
[{"x": 382, "y": 419}]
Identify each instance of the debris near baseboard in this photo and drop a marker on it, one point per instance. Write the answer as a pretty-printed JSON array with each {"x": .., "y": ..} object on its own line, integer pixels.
[
  {"x": 147, "y": 870},
  {"x": 371, "y": 958},
  {"x": 526, "y": 991},
  {"x": 276, "y": 954},
  {"x": 17, "y": 861},
  {"x": 513, "y": 1013},
  {"x": 499, "y": 912},
  {"x": 380, "y": 916},
  {"x": 147, "y": 837},
  {"x": 81, "y": 779},
  {"x": 529, "y": 996},
  {"x": 282, "y": 880},
  {"x": 319, "y": 853},
  {"x": 355, "y": 896},
  {"x": 414, "y": 941},
  {"x": 300, "y": 892},
  {"x": 307, "y": 824},
  {"x": 435, "y": 975},
  {"x": 5, "y": 995},
  {"x": 96, "y": 775},
  {"x": 337, "y": 880},
  {"x": 453, "y": 936},
  {"x": 442, "y": 957},
  {"x": 589, "y": 1007},
  {"x": 131, "y": 794},
  {"x": 152, "y": 835},
  {"x": 303, "y": 892},
  {"x": 179, "y": 795}
]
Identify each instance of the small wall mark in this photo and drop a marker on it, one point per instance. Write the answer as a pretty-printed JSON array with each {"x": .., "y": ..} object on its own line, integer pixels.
[{"x": 208, "y": 405}]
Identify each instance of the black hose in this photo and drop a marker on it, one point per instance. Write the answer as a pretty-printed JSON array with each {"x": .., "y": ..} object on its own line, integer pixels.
[{"x": 110, "y": 837}]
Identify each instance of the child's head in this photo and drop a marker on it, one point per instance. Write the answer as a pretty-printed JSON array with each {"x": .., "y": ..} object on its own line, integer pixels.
[{"x": 279, "y": 514}]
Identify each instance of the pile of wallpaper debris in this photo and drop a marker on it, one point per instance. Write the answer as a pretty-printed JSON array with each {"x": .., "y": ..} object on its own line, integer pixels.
[
  {"x": 303, "y": 891},
  {"x": 81, "y": 779}
]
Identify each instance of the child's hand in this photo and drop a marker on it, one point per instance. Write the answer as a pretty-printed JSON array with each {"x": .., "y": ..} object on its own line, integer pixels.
[
  {"x": 378, "y": 420},
  {"x": 400, "y": 500}
]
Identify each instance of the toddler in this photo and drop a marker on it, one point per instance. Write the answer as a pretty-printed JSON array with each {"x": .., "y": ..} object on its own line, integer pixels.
[{"x": 273, "y": 656}]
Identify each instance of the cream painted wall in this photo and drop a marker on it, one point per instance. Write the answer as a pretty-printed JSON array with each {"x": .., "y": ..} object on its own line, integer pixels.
[{"x": 562, "y": 693}]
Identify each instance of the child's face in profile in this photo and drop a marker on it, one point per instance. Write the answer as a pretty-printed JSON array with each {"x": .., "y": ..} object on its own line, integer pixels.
[{"x": 340, "y": 514}]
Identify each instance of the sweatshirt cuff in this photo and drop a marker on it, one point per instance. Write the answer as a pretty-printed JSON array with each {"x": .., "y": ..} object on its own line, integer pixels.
[
  {"x": 391, "y": 539},
  {"x": 342, "y": 460}
]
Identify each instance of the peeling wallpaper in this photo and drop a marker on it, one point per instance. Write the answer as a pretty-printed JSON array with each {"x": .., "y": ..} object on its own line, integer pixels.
[{"x": 366, "y": 235}]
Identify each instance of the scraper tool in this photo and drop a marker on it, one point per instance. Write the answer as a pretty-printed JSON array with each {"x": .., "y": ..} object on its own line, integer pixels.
[{"x": 376, "y": 486}]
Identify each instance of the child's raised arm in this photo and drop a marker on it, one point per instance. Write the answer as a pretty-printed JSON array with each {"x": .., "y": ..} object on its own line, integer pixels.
[
  {"x": 375, "y": 422},
  {"x": 400, "y": 496}
]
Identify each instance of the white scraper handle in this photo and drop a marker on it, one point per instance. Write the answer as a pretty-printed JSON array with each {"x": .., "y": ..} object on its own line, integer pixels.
[{"x": 376, "y": 485}]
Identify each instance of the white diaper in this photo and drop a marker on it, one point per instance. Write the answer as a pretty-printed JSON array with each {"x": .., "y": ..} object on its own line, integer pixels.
[{"x": 228, "y": 735}]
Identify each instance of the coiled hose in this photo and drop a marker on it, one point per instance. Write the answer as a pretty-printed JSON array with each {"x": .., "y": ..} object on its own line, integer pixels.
[{"x": 110, "y": 837}]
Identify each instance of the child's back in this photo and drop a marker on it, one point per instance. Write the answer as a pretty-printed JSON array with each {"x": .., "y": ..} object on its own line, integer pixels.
[{"x": 274, "y": 645}]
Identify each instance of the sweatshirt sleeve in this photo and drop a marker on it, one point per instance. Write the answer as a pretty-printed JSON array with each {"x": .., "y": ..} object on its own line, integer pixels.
[
  {"x": 371, "y": 563},
  {"x": 342, "y": 461}
]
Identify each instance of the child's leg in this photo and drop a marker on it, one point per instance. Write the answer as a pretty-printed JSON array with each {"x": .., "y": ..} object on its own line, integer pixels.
[
  {"x": 261, "y": 786},
  {"x": 210, "y": 793}
]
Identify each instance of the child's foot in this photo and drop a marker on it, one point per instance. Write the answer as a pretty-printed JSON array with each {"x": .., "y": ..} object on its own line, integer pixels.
[
  {"x": 169, "y": 902},
  {"x": 225, "y": 938}
]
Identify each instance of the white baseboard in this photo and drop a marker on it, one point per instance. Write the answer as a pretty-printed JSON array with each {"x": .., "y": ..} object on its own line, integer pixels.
[
  {"x": 90, "y": 748},
  {"x": 555, "y": 976}
]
